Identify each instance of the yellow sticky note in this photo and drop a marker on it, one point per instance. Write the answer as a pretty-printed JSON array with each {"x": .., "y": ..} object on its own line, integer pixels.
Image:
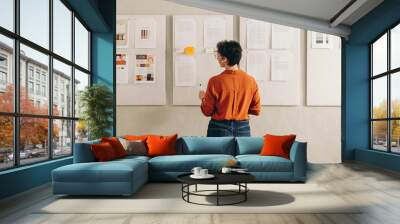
[{"x": 189, "y": 51}]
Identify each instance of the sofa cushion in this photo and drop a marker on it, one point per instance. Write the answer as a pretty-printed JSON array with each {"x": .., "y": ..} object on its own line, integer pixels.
[
  {"x": 103, "y": 152},
  {"x": 257, "y": 163},
  {"x": 275, "y": 145},
  {"x": 83, "y": 152},
  {"x": 116, "y": 145},
  {"x": 206, "y": 145},
  {"x": 161, "y": 145},
  {"x": 249, "y": 145},
  {"x": 185, "y": 163},
  {"x": 112, "y": 171}
]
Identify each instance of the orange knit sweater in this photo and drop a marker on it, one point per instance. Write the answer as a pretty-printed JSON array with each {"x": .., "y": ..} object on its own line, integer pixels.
[{"x": 231, "y": 95}]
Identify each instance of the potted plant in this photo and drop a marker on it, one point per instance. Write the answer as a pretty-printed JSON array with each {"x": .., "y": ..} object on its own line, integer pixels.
[{"x": 96, "y": 103}]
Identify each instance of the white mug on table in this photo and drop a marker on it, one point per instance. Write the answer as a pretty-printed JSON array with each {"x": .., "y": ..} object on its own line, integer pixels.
[
  {"x": 203, "y": 172},
  {"x": 196, "y": 171}
]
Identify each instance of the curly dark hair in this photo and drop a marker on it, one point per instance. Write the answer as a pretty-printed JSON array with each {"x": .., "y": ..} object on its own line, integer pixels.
[{"x": 231, "y": 50}]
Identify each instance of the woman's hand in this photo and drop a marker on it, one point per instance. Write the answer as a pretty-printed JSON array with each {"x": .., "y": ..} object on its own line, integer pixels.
[{"x": 202, "y": 93}]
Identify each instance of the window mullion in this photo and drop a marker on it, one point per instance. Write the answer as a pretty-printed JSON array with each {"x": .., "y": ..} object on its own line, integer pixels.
[
  {"x": 50, "y": 81},
  {"x": 389, "y": 101},
  {"x": 73, "y": 82},
  {"x": 16, "y": 84}
]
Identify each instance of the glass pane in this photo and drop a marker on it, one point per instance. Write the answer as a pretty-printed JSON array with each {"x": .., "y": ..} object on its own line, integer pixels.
[
  {"x": 35, "y": 21},
  {"x": 379, "y": 135},
  {"x": 34, "y": 97},
  {"x": 62, "y": 29},
  {"x": 33, "y": 139},
  {"x": 395, "y": 47},
  {"x": 62, "y": 89},
  {"x": 379, "y": 97},
  {"x": 395, "y": 95},
  {"x": 62, "y": 138},
  {"x": 81, "y": 45},
  {"x": 7, "y": 14},
  {"x": 81, "y": 81},
  {"x": 379, "y": 55},
  {"x": 81, "y": 131},
  {"x": 395, "y": 136},
  {"x": 6, "y": 74},
  {"x": 6, "y": 142}
]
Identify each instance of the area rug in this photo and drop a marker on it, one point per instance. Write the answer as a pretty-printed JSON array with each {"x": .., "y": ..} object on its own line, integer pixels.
[{"x": 166, "y": 198}]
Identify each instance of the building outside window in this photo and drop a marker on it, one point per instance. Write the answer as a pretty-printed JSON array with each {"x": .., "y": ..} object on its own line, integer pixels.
[
  {"x": 3, "y": 72},
  {"x": 30, "y": 72},
  {"x": 30, "y": 87}
]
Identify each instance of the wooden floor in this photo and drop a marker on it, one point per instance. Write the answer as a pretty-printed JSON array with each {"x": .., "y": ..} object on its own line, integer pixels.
[{"x": 377, "y": 188}]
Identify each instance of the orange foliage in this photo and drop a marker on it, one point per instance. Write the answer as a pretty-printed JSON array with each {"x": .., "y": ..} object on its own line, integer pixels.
[{"x": 34, "y": 130}]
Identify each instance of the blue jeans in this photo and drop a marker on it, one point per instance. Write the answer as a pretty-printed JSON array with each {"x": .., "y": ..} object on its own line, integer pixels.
[{"x": 228, "y": 128}]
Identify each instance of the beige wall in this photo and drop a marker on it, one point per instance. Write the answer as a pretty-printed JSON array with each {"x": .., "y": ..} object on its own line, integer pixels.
[{"x": 319, "y": 126}]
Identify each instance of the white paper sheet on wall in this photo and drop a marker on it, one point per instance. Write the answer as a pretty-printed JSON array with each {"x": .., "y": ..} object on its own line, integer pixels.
[
  {"x": 122, "y": 68},
  {"x": 214, "y": 31},
  {"x": 281, "y": 64},
  {"x": 122, "y": 33},
  {"x": 256, "y": 34},
  {"x": 185, "y": 70},
  {"x": 261, "y": 86},
  {"x": 257, "y": 64},
  {"x": 145, "y": 33},
  {"x": 282, "y": 37},
  {"x": 185, "y": 33}
]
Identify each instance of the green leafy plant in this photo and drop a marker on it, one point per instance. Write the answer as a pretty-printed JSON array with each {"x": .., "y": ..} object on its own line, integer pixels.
[{"x": 96, "y": 102}]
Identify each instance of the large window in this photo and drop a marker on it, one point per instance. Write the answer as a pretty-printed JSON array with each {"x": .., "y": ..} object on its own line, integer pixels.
[
  {"x": 385, "y": 91},
  {"x": 44, "y": 64}
]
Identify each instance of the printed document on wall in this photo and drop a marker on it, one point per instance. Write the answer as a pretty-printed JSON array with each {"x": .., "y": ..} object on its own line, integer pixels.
[
  {"x": 257, "y": 64},
  {"x": 185, "y": 70},
  {"x": 145, "y": 68},
  {"x": 122, "y": 67},
  {"x": 185, "y": 33},
  {"x": 122, "y": 35},
  {"x": 256, "y": 34},
  {"x": 282, "y": 37},
  {"x": 145, "y": 33},
  {"x": 214, "y": 31},
  {"x": 281, "y": 66}
]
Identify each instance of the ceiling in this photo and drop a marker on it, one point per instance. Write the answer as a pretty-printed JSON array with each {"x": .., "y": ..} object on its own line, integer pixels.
[
  {"x": 308, "y": 14},
  {"x": 320, "y": 9}
]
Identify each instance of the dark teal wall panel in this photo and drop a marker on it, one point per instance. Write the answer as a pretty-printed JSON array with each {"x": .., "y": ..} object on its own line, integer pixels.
[
  {"x": 357, "y": 99},
  {"x": 24, "y": 178},
  {"x": 381, "y": 159},
  {"x": 103, "y": 49},
  {"x": 89, "y": 11}
]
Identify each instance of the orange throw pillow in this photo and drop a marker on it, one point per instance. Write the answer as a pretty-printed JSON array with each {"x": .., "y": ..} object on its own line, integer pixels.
[
  {"x": 103, "y": 152},
  {"x": 136, "y": 137},
  {"x": 161, "y": 145},
  {"x": 116, "y": 145},
  {"x": 277, "y": 145}
]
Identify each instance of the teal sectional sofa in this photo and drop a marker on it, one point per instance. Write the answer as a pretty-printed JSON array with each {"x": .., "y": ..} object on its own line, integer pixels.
[{"x": 125, "y": 176}]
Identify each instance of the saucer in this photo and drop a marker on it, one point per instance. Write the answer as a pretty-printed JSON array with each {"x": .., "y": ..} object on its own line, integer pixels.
[{"x": 208, "y": 176}]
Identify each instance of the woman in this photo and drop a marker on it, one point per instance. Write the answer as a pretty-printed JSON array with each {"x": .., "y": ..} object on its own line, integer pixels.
[{"x": 230, "y": 96}]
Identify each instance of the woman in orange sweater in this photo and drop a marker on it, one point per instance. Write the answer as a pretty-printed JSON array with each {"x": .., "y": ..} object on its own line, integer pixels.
[{"x": 230, "y": 96}]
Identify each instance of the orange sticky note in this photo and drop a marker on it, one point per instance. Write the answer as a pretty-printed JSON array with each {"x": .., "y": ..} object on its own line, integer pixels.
[{"x": 189, "y": 51}]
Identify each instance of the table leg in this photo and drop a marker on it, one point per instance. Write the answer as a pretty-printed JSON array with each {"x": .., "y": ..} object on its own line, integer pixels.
[
  {"x": 245, "y": 193},
  {"x": 196, "y": 187},
  {"x": 217, "y": 194}
]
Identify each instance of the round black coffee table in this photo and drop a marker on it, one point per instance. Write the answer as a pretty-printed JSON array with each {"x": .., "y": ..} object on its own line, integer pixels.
[{"x": 238, "y": 179}]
